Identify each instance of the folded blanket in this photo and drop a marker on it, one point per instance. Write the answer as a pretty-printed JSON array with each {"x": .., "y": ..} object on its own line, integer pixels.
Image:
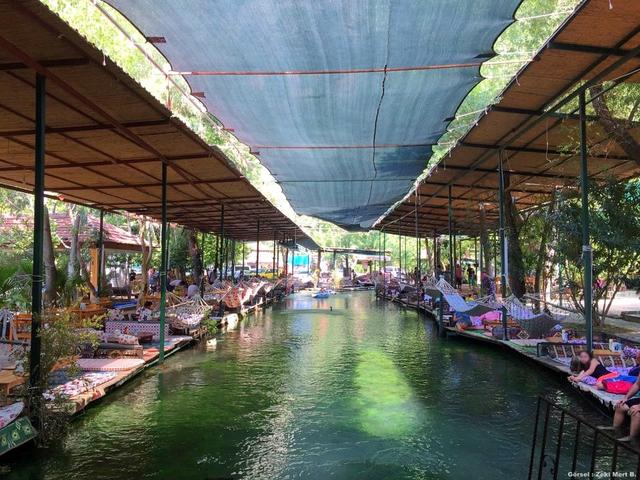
[
  {"x": 9, "y": 413},
  {"x": 108, "y": 364},
  {"x": 77, "y": 386}
]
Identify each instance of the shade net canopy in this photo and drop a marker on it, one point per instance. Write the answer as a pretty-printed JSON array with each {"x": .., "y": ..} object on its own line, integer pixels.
[
  {"x": 539, "y": 141},
  {"x": 342, "y": 99}
]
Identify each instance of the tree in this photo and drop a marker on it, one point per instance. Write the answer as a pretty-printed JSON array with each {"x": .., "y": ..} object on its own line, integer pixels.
[
  {"x": 538, "y": 283},
  {"x": 146, "y": 235},
  {"x": 487, "y": 248},
  {"x": 513, "y": 223},
  {"x": 196, "y": 257},
  {"x": 618, "y": 129},
  {"x": 179, "y": 259},
  {"x": 615, "y": 236},
  {"x": 51, "y": 273}
]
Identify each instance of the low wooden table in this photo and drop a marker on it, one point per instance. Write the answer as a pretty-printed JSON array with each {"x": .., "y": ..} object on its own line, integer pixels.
[
  {"x": 9, "y": 380},
  {"x": 606, "y": 353},
  {"x": 144, "y": 337}
]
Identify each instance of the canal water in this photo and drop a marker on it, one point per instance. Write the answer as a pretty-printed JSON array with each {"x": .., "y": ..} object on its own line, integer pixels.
[{"x": 343, "y": 388}]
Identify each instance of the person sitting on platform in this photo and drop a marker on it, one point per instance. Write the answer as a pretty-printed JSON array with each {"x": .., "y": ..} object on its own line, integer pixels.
[
  {"x": 172, "y": 282},
  {"x": 585, "y": 365},
  {"x": 487, "y": 284},
  {"x": 628, "y": 406},
  {"x": 154, "y": 280},
  {"x": 145, "y": 313}
]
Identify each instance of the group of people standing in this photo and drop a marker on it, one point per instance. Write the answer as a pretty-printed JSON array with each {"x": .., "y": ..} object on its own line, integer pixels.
[{"x": 487, "y": 283}]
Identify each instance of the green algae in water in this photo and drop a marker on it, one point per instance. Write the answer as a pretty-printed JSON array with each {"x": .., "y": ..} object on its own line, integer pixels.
[{"x": 368, "y": 392}]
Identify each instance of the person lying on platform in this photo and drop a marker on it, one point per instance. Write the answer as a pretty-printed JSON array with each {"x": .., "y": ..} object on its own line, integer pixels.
[
  {"x": 628, "y": 406},
  {"x": 584, "y": 365},
  {"x": 193, "y": 290}
]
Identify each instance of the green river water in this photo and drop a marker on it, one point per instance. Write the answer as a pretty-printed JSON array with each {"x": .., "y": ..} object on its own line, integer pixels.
[{"x": 364, "y": 391}]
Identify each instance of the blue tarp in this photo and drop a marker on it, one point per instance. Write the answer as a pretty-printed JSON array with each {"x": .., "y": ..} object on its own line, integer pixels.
[{"x": 344, "y": 146}]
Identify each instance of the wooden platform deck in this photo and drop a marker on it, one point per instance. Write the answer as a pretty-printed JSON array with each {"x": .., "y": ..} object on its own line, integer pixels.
[
  {"x": 151, "y": 356},
  {"x": 604, "y": 399}
]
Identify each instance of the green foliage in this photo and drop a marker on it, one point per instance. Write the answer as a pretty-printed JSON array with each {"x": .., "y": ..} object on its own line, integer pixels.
[
  {"x": 15, "y": 282},
  {"x": 61, "y": 342},
  {"x": 7, "y": 280},
  {"x": 210, "y": 325},
  {"x": 615, "y": 236},
  {"x": 179, "y": 249}
]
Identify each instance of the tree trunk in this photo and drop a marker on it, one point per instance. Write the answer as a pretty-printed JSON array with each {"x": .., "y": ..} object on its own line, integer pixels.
[
  {"x": 86, "y": 277},
  {"x": 146, "y": 246},
  {"x": 512, "y": 222},
  {"x": 428, "y": 257},
  {"x": 617, "y": 129},
  {"x": 49, "y": 262},
  {"x": 72, "y": 265},
  {"x": 542, "y": 250},
  {"x": 196, "y": 257},
  {"x": 487, "y": 263},
  {"x": 83, "y": 268}
]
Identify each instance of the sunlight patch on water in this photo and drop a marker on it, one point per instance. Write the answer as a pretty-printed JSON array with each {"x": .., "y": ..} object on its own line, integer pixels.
[{"x": 385, "y": 403}]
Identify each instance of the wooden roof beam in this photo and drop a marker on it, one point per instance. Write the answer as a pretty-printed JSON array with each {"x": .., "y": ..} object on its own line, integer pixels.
[
  {"x": 535, "y": 113},
  {"x": 149, "y": 185},
  {"x": 592, "y": 49},
  {"x": 63, "y": 62},
  {"x": 541, "y": 151},
  {"x": 85, "y": 128}
]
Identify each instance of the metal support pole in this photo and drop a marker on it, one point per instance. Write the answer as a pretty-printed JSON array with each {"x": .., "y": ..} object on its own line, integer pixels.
[
  {"x": 455, "y": 256},
  {"x": 480, "y": 265},
  {"x": 220, "y": 238},
  {"x": 37, "y": 282},
  {"x": 233, "y": 260},
  {"x": 587, "y": 252},
  {"x": 404, "y": 250},
  {"x": 243, "y": 254},
  {"x": 494, "y": 244},
  {"x": 503, "y": 274},
  {"x": 216, "y": 249},
  {"x": 164, "y": 244},
  {"x": 451, "y": 246},
  {"x": 400, "y": 252},
  {"x": 273, "y": 259},
  {"x": 475, "y": 260},
  {"x": 418, "y": 266},
  {"x": 436, "y": 256},
  {"x": 258, "y": 248},
  {"x": 100, "y": 253},
  {"x": 223, "y": 258},
  {"x": 441, "y": 331},
  {"x": 384, "y": 263},
  {"x": 227, "y": 257}
]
